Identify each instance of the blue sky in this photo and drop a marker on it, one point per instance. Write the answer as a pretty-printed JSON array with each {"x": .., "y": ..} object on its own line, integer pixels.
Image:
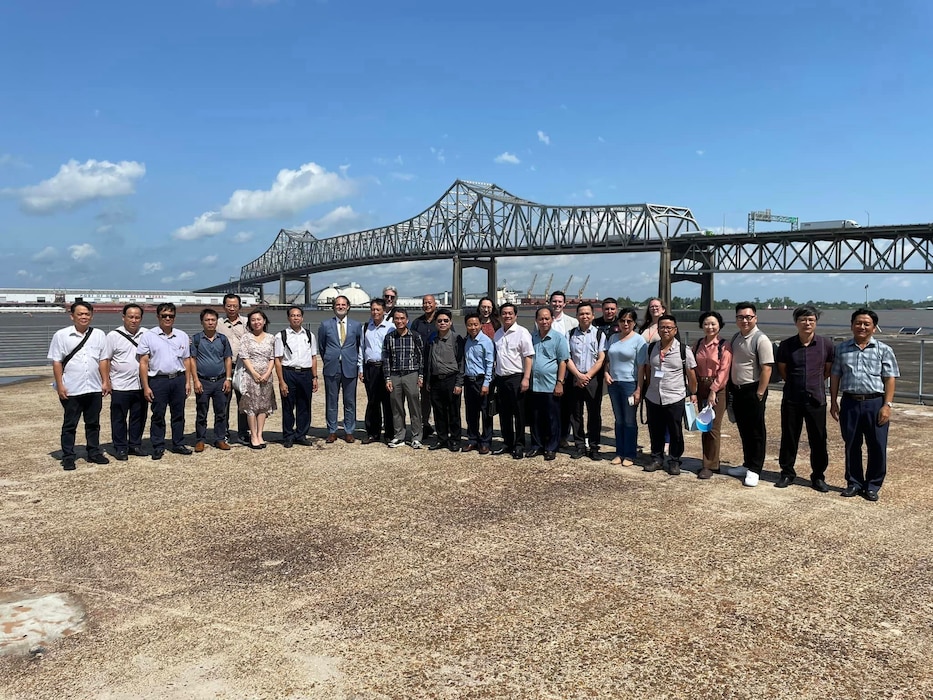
[{"x": 163, "y": 145}]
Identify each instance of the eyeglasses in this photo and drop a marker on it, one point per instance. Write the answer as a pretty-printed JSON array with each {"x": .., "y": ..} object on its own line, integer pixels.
[
  {"x": 166, "y": 315},
  {"x": 746, "y": 317},
  {"x": 667, "y": 328},
  {"x": 390, "y": 296},
  {"x": 443, "y": 320},
  {"x": 626, "y": 322}
]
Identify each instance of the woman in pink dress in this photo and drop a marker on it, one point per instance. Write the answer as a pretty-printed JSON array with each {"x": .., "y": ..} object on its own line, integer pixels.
[{"x": 257, "y": 353}]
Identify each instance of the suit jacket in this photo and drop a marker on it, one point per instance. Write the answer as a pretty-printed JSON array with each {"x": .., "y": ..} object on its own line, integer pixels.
[{"x": 340, "y": 360}]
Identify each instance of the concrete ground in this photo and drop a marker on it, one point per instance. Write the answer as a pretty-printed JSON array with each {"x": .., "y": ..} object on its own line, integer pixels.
[{"x": 352, "y": 571}]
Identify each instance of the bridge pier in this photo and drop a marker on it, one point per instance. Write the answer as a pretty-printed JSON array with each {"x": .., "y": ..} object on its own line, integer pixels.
[
  {"x": 458, "y": 301},
  {"x": 282, "y": 288},
  {"x": 307, "y": 290},
  {"x": 664, "y": 276}
]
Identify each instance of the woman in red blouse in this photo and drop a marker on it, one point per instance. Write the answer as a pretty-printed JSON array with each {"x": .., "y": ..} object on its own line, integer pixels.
[{"x": 714, "y": 358}]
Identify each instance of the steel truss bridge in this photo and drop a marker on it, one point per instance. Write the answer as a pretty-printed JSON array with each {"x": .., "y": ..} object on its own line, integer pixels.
[{"x": 473, "y": 224}]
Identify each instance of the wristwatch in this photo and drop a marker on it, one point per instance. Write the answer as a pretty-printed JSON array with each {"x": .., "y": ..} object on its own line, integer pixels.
[{"x": 889, "y": 404}]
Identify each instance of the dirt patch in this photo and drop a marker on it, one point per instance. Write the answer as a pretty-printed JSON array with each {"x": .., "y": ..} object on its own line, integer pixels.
[{"x": 362, "y": 572}]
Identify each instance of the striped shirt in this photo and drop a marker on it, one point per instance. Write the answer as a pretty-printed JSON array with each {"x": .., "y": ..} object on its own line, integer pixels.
[{"x": 862, "y": 371}]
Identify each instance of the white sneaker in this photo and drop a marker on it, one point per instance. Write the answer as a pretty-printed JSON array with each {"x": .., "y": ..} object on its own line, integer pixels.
[
  {"x": 738, "y": 472},
  {"x": 396, "y": 443},
  {"x": 751, "y": 479},
  {"x": 415, "y": 445}
]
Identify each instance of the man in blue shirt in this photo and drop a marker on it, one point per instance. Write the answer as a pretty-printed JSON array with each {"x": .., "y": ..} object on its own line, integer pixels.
[
  {"x": 378, "y": 401},
  {"x": 864, "y": 370},
  {"x": 548, "y": 370},
  {"x": 213, "y": 371},
  {"x": 479, "y": 355}
]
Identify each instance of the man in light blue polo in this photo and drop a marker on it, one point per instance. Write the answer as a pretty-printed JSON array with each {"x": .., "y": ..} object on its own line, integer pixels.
[{"x": 548, "y": 371}]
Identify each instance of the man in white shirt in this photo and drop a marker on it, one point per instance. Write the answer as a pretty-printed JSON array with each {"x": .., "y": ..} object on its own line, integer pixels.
[
  {"x": 127, "y": 403},
  {"x": 514, "y": 357},
  {"x": 78, "y": 356},
  {"x": 561, "y": 322},
  {"x": 296, "y": 368}
]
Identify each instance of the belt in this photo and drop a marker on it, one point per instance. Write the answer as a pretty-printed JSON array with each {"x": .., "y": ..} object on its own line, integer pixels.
[
  {"x": 861, "y": 397},
  {"x": 298, "y": 369},
  {"x": 443, "y": 376},
  {"x": 168, "y": 375},
  {"x": 212, "y": 379},
  {"x": 373, "y": 363}
]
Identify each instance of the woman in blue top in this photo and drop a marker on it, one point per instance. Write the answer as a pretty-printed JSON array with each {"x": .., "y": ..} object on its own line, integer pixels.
[{"x": 627, "y": 351}]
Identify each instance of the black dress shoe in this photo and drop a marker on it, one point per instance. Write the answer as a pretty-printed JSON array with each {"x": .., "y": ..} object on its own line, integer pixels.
[
  {"x": 870, "y": 495},
  {"x": 157, "y": 454},
  {"x": 454, "y": 447},
  {"x": 98, "y": 459},
  {"x": 576, "y": 453},
  {"x": 68, "y": 464},
  {"x": 120, "y": 456},
  {"x": 287, "y": 444},
  {"x": 138, "y": 452},
  {"x": 593, "y": 455},
  {"x": 437, "y": 446},
  {"x": 549, "y": 456},
  {"x": 369, "y": 440},
  {"x": 819, "y": 485},
  {"x": 181, "y": 450},
  {"x": 784, "y": 482},
  {"x": 502, "y": 450},
  {"x": 850, "y": 491},
  {"x": 531, "y": 454},
  {"x": 303, "y": 441},
  {"x": 519, "y": 453}
]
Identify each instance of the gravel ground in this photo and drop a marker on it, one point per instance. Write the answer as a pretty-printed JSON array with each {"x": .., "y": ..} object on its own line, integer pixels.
[{"x": 357, "y": 571}]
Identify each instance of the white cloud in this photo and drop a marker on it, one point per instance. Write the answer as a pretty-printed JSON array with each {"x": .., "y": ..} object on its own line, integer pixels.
[
  {"x": 544, "y": 138},
  {"x": 292, "y": 191},
  {"x": 439, "y": 154},
  {"x": 209, "y": 259},
  {"x": 243, "y": 237},
  {"x": 82, "y": 251},
  {"x": 700, "y": 152},
  {"x": 11, "y": 161},
  {"x": 532, "y": 168},
  {"x": 341, "y": 220},
  {"x": 507, "y": 157},
  {"x": 186, "y": 275},
  {"x": 47, "y": 254},
  {"x": 150, "y": 268},
  {"x": 27, "y": 276},
  {"x": 78, "y": 183},
  {"x": 588, "y": 193},
  {"x": 204, "y": 226},
  {"x": 404, "y": 177}
]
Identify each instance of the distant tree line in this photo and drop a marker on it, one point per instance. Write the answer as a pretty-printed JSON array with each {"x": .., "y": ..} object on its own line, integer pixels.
[{"x": 779, "y": 303}]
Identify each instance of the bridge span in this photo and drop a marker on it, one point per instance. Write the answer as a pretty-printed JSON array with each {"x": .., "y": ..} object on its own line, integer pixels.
[{"x": 473, "y": 224}]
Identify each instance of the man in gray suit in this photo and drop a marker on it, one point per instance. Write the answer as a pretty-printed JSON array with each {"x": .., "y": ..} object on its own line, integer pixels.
[{"x": 339, "y": 339}]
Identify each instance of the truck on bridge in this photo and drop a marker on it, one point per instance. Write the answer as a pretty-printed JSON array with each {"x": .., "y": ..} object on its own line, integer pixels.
[{"x": 838, "y": 223}]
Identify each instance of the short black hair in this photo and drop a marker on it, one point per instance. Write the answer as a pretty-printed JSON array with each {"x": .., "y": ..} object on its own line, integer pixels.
[
  {"x": 711, "y": 314},
  {"x": 165, "y": 306},
  {"x": 806, "y": 310},
  {"x": 85, "y": 304},
  {"x": 227, "y": 297},
  {"x": 133, "y": 305},
  {"x": 399, "y": 310},
  {"x": 865, "y": 312},
  {"x": 295, "y": 307},
  {"x": 208, "y": 312},
  {"x": 470, "y": 315},
  {"x": 746, "y": 305}
]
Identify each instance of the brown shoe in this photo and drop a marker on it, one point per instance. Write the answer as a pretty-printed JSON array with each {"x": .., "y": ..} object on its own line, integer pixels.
[
  {"x": 484, "y": 450},
  {"x": 469, "y": 448},
  {"x": 332, "y": 438},
  {"x": 220, "y": 445},
  {"x": 199, "y": 446},
  {"x": 349, "y": 438},
  {"x": 705, "y": 473}
]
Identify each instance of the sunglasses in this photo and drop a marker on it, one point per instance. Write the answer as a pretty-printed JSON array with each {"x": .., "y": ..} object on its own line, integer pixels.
[{"x": 166, "y": 315}]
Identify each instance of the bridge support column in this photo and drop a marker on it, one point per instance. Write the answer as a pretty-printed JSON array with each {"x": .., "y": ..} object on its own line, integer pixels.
[
  {"x": 456, "y": 302},
  {"x": 282, "y": 288},
  {"x": 492, "y": 282},
  {"x": 706, "y": 291},
  {"x": 307, "y": 290},
  {"x": 664, "y": 276}
]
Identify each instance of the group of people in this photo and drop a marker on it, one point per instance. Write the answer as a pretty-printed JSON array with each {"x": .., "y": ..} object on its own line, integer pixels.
[{"x": 550, "y": 380}]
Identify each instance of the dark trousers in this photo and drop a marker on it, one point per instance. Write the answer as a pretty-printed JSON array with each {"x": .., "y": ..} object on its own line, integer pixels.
[
  {"x": 242, "y": 425},
  {"x": 88, "y": 407},
  {"x": 589, "y": 397},
  {"x": 511, "y": 410},
  {"x": 750, "y": 421},
  {"x": 858, "y": 421},
  {"x": 446, "y": 406},
  {"x": 212, "y": 392},
  {"x": 544, "y": 408},
  {"x": 666, "y": 422},
  {"x": 129, "y": 405},
  {"x": 477, "y": 411},
  {"x": 167, "y": 394},
  {"x": 378, "y": 403},
  {"x": 296, "y": 407},
  {"x": 426, "y": 409},
  {"x": 793, "y": 416}
]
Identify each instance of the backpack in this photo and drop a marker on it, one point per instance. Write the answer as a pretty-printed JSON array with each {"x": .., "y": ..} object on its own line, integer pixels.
[
  {"x": 683, "y": 365},
  {"x": 285, "y": 338}
]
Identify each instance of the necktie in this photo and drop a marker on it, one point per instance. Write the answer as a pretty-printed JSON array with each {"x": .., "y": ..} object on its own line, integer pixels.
[{"x": 343, "y": 332}]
